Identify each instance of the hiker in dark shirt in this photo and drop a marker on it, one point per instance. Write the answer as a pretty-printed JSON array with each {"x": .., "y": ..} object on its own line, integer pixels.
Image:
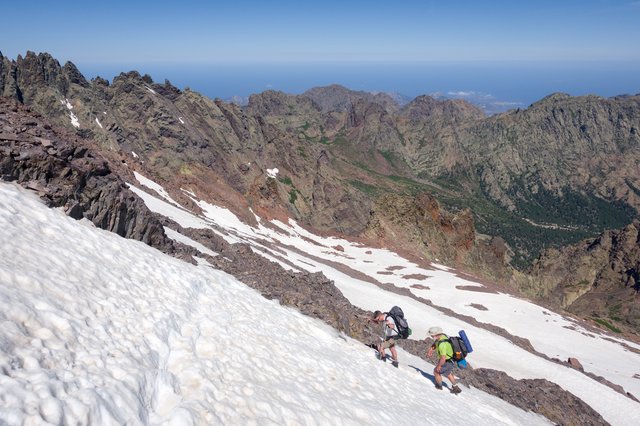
[{"x": 444, "y": 367}]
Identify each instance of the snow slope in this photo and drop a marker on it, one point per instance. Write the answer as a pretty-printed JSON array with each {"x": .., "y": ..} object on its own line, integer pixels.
[
  {"x": 97, "y": 329},
  {"x": 549, "y": 332}
]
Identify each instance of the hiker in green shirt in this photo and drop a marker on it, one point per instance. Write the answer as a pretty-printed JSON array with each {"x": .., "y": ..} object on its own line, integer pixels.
[{"x": 443, "y": 348}]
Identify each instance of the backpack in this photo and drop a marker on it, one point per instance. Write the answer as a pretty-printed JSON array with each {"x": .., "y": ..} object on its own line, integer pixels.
[
  {"x": 398, "y": 316},
  {"x": 460, "y": 350}
]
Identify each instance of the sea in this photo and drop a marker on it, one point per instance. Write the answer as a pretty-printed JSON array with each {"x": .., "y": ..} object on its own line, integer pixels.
[{"x": 494, "y": 86}]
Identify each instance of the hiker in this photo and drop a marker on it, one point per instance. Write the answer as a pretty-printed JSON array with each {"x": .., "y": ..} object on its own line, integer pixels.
[
  {"x": 444, "y": 367},
  {"x": 390, "y": 335}
]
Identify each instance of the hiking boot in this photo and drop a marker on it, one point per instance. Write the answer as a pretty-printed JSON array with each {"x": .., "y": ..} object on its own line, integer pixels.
[
  {"x": 395, "y": 364},
  {"x": 455, "y": 390},
  {"x": 438, "y": 386}
]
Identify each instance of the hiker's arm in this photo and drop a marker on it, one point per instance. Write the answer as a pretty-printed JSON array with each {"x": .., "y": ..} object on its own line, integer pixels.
[{"x": 430, "y": 351}]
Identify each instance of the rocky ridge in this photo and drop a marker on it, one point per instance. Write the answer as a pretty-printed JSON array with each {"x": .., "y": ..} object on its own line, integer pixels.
[
  {"x": 223, "y": 149},
  {"x": 359, "y": 164},
  {"x": 67, "y": 173}
]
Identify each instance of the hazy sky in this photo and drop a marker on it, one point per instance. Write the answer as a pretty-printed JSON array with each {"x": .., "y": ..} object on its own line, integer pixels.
[{"x": 297, "y": 30}]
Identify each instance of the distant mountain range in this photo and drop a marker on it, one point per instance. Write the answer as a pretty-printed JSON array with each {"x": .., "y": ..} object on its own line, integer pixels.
[
  {"x": 434, "y": 177},
  {"x": 488, "y": 103}
]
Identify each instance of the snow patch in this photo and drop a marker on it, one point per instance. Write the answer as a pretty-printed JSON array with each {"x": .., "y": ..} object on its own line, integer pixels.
[
  {"x": 74, "y": 120},
  {"x": 181, "y": 120},
  {"x": 134, "y": 154},
  {"x": 66, "y": 103},
  {"x": 98, "y": 122},
  {"x": 176, "y": 236},
  {"x": 272, "y": 173},
  {"x": 150, "y": 89},
  {"x": 157, "y": 188},
  {"x": 186, "y": 191}
]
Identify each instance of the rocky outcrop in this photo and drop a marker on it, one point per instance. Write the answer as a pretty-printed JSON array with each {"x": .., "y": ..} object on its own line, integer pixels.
[
  {"x": 536, "y": 395},
  {"x": 421, "y": 226},
  {"x": 338, "y": 98},
  {"x": 560, "y": 147},
  {"x": 597, "y": 278},
  {"x": 67, "y": 173}
]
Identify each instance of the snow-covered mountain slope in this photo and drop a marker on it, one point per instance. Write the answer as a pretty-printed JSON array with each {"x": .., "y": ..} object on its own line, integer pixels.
[
  {"x": 355, "y": 267},
  {"x": 97, "y": 329}
]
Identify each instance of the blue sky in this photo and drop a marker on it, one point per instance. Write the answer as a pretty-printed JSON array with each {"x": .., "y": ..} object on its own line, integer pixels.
[
  {"x": 511, "y": 52},
  {"x": 285, "y": 31}
]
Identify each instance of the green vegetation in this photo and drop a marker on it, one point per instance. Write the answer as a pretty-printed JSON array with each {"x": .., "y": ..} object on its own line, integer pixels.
[
  {"x": 366, "y": 188},
  {"x": 388, "y": 155},
  {"x": 572, "y": 208},
  {"x": 293, "y": 195},
  {"x": 305, "y": 126},
  {"x": 185, "y": 170},
  {"x": 286, "y": 180},
  {"x": 579, "y": 216},
  {"x": 340, "y": 141},
  {"x": 606, "y": 324},
  {"x": 307, "y": 137},
  {"x": 614, "y": 312}
]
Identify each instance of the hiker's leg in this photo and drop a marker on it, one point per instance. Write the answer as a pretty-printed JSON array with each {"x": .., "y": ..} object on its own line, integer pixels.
[
  {"x": 438, "y": 377},
  {"x": 452, "y": 379},
  {"x": 388, "y": 344},
  {"x": 394, "y": 353},
  {"x": 380, "y": 350}
]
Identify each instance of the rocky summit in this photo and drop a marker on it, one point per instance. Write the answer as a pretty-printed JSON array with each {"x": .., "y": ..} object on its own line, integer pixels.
[{"x": 434, "y": 178}]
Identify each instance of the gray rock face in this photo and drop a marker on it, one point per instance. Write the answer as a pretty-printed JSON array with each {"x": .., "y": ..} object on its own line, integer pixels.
[
  {"x": 575, "y": 277},
  {"x": 338, "y": 98},
  {"x": 66, "y": 173}
]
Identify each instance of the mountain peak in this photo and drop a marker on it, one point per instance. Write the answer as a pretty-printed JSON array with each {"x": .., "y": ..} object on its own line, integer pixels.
[
  {"x": 426, "y": 105},
  {"x": 74, "y": 74},
  {"x": 335, "y": 97},
  {"x": 554, "y": 97}
]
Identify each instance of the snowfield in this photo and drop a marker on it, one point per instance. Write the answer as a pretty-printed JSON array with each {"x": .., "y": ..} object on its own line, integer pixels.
[
  {"x": 97, "y": 329},
  {"x": 550, "y": 333}
]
